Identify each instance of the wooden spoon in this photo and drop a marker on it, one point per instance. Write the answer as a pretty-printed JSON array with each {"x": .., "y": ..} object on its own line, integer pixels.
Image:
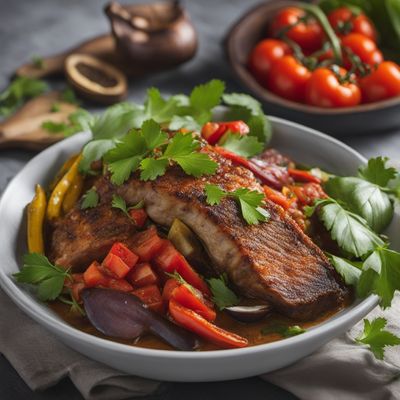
[{"x": 24, "y": 128}]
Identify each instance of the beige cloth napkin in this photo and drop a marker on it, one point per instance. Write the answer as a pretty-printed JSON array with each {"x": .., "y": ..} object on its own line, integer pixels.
[{"x": 339, "y": 370}]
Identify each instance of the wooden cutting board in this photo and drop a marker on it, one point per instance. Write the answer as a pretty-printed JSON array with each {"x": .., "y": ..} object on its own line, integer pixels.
[{"x": 24, "y": 128}]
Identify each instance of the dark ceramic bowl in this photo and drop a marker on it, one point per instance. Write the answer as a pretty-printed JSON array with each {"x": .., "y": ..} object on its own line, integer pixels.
[{"x": 359, "y": 120}]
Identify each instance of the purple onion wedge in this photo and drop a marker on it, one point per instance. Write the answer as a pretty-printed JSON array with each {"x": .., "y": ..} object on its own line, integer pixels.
[{"x": 123, "y": 315}]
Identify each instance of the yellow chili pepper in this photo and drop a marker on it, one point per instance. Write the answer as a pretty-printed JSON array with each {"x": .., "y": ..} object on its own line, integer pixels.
[
  {"x": 73, "y": 193},
  {"x": 65, "y": 167},
  {"x": 36, "y": 213},
  {"x": 58, "y": 194}
]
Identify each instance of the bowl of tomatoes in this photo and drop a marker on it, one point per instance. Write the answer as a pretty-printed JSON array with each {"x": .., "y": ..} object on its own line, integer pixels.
[{"x": 329, "y": 65}]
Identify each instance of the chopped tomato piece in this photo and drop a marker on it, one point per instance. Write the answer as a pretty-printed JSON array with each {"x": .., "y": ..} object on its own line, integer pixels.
[
  {"x": 76, "y": 290},
  {"x": 119, "y": 284},
  {"x": 308, "y": 193},
  {"x": 169, "y": 287},
  {"x": 142, "y": 275},
  {"x": 93, "y": 276},
  {"x": 127, "y": 256},
  {"x": 147, "y": 244},
  {"x": 303, "y": 176},
  {"x": 114, "y": 266},
  {"x": 151, "y": 296},
  {"x": 193, "y": 299},
  {"x": 170, "y": 260},
  {"x": 277, "y": 197},
  {"x": 214, "y": 131},
  {"x": 194, "y": 322},
  {"x": 139, "y": 216}
]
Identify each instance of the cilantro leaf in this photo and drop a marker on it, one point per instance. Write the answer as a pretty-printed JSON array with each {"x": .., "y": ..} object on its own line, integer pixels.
[
  {"x": 222, "y": 296},
  {"x": 380, "y": 275},
  {"x": 377, "y": 172},
  {"x": 283, "y": 330},
  {"x": 249, "y": 110},
  {"x": 196, "y": 164},
  {"x": 208, "y": 95},
  {"x": 90, "y": 199},
  {"x": 246, "y": 146},
  {"x": 181, "y": 145},
  {"x": 19, "y": 90},
  {"x": 121, "y": 169},
  {"x": 349, "y": 230},
  {"x": 249, "y": 202},
  {"x": 350, "y": 271},
  {"x": 185, "y": 122},
  {"x": 94, "y": 151},
  {"x": 152, "y": 134},
  {"x": 152, "y": 168},
  {"x": 49, "y": 278},
  {"x": 119, "y": 203},
  {"x": 376, "y": 337},
  {"x": 214, "y": 194},
  {"x": 363, "y": 198},
  {"x": 159, "y": 109}
]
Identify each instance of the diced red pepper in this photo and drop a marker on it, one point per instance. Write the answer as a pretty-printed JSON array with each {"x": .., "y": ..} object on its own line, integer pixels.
[
  {"x": 170, "y": 260},
  {"x": 127, "y": 256},
  {"x": 119, "y": 284},
  {"x": 213, "y": 131},
  {"x": 190, "y": 299},
  {"x": 303, "y": 176},
  {"x": 147, "y": 244},
  {"x": 169, "y": 287},
  {"x": 194, "y": 322},
  {"x": 139, "y": 216},
  {"x": 113, "y": 266},
  {"x": 93, "y": 276},
  {"x": 142, "y": 275},
  {"x": 151, "y": 296},
  {"x": 277, "y": 197},
  {"x": 308, "y": 193}
]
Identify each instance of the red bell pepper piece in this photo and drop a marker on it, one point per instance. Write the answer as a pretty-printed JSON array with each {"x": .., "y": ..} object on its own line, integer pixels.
[
  {"x": 194, "y": 322},
  {"x": 93, "y": 276},
  {"x": 147, "y": 244},
  {"x": 151, "y": 296},
  {"x": 277, "y": 197},
  {"x": 119, "y": 284},
  {"x": 139, "y": 216},
  {"x": 303, "y": 176},
  {"x": 190, "y": 299},
  {"x": 127, "y": 256},
  {"x": 142, "y": 275},
  {"x": 213, "y": 131},
  {"x": 113, "y": 266},
  {"x": 169, "y": 287},
  {"x": 170, "y": 260}
]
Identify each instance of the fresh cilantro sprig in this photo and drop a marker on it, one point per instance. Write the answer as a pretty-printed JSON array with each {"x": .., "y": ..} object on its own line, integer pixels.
[
  {"x": 283, "y": 330},
  {"x": 250, "y": 202},
  {"x": 119, "y": 203},
  {"x": 245, "y": 146},
  {"x": 376, "y": 338},
  {"x": 20, "y": 90},
  {"x": 49, "y": 279},
  {"x": 377, "y": 172},
  {"x": 150, "y": 150},
  {"x": 222, "y": 296},
  {"x": 90, "y": 199}
]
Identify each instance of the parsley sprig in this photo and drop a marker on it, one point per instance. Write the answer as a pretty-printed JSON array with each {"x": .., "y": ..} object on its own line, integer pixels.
[
  {"x": 250, "y": 202},
  {"x": 223, "y": 296},
  {"x": 150, "y": 150},
  {"x": 119, "y": 203},
  {"x": 90, "y": 199}
]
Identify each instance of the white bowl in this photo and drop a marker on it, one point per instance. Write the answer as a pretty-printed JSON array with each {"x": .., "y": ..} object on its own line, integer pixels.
[{"x": 303, "y": 145}]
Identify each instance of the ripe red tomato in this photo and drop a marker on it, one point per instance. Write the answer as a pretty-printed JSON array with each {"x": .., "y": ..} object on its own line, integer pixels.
[
  {"x": 288, "y": 78},
  {"x": 324, "y": 89},
  {"x": 363, "y": 47},
  {"x": 309, "y": 34},
  {"x": 381, "y": 84},
  {"x": 345, "y": 21},
  {"x": 263, "y": 55}
]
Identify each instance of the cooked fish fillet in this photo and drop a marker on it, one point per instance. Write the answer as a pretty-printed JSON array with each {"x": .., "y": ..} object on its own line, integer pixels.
[{"x": 273, "y": 261}]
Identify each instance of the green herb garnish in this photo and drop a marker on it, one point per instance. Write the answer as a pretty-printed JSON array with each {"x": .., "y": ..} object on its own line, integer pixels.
[
  {"x": 285, "y": 331},
  {"x": 222, "y": 296},
  {"x": 90, "y": 199},
  {"x": 250, "y": 202}
]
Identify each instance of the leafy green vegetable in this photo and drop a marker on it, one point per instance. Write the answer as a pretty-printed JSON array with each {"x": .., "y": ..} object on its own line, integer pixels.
[
  {"x": 90, "y": 199},
  {"x": 19, "y": 90},
  {"x": 377, "y": 172},
  {"x": 184, "y": 122},
  {"x": 245, "y": 146},
  {"x": 283, "y": 330},
  {"x": 376, "y": 337},
  {"x": 119, "y": 202},
  {"x": 222, "y": 296},
  {"x": 380, "y": 275},
  {"x": 349, "y": 230},
  {"x": 49, "y": 278},
  {"x": 363, "y": 198},
  {"x": 350, "y": 271},
  {"x": 78, "y": 121},
  {"x": 249, "y": 110},
  {"x": 250, "y": 202}
]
